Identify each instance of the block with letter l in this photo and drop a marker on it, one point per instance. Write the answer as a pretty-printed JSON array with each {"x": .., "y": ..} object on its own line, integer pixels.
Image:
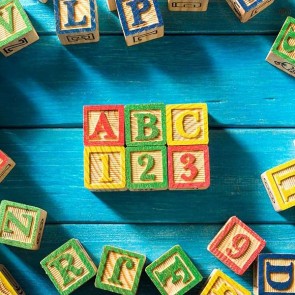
[
  {"x": 6, "y": 165},
  {"x": 188, "y": 5},
  {"x": 76, "y": 21}
]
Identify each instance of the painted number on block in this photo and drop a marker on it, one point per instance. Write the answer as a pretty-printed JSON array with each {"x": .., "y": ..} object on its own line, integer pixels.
[
  {"x": 240, "y": 244},
  {"x": 105, "y": 160},
  {"x": 189, "y": 160},
  {"x": 148, "y": 161}
]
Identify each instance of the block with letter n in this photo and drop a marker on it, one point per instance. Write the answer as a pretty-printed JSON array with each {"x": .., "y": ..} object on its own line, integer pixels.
[
  {"x": 6, "y": 165},
  {"x": 16, "y": 30},
  {"x": 188, "y": 5},
  {"x": 141, "y": 20},
  {"x": 174, "y": 272},
  {"x": 21, "y": 225},
  {"x": 69, "y": 267},
  {"x": 119, "y": 270},
  {"x": 76, "y": 21}
]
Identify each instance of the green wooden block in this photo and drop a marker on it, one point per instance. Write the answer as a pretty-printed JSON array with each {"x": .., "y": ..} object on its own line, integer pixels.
[
  {"x": 145, "y": 124},
  {"x": 146, "y": 168},
  {"x": 69, "y": 267},
  {"x": 173, "y": 272},
  {"x": 119, "y": 270},
  {"x": 21, "y": 225}
]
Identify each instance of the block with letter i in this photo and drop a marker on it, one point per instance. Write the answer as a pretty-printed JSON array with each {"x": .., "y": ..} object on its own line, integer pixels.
[
  {"x": 69, "y": 267},
  {"x": 16, "y": 30},
  {"x": 188, "y": 5},
  {"x": 236, "y": 245},
  {"x": 174, "y": 272},
  {"x": 282, "y": 52},
  {"x": 141, "y": 20},
  {"x": 119, "y": 270},
  {"x": 76, "y": 21},
  {"x": 6, "y": 165}
]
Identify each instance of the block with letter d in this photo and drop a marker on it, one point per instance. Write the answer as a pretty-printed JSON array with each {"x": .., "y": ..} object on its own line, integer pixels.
[
  {"x": 141, "y": 20},
  {"x": 76, "y": 21}
]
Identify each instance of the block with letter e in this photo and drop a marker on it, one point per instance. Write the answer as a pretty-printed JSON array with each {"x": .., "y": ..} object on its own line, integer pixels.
[
  {"x": 236, "y": 245},
  {"x": 16, "y": 30},
  {"x": 69, "y": 267},
  {"x": 174, "y": 272},
  {"x": 188, "y": 5},
  {"x": 6, "y": 165},
  {"x": 76, "y": 21}
]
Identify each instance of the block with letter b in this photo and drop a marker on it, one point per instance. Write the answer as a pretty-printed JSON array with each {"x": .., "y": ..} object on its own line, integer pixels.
[
  {"x": 6, "y": 165},
  {"x": 188, "y": 5},
  {"x": 21, "y": 225},
  {"x": 236, "y": 245}
]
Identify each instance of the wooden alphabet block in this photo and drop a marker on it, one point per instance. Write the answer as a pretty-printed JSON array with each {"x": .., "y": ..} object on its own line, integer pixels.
[
  {"x": 119, "y": 271},
  {"x": 146, "y": 168},
  {"x": 16, "y": 30},
  {"x": 141, "y": 20},
  {"x": 188, "y": 5},
  {"x": 245, "y": 9},
  {"x": 104, "y": 125},
  {"x": 21, "y": 225},
  {"x": 8, "y": 285},
  {"x": 221, "y": 284},
  {"x": 187, "y": 124},
  {"x": 275, "y": 274},
  {"x": 112, "y": 5},
  {"x": 104, "y": 168},
  {"x": 282, "y": 52},
  {"x": 236, "y": 245},
  {"x": 76, "y": 21},
  {"x": 173, "y": 272},
  {"x": 280, "y": 185},
  {"x": 188, "y": 167},
  {"x": 69, "y": 267},
  {"x": 6, "y": 165}
]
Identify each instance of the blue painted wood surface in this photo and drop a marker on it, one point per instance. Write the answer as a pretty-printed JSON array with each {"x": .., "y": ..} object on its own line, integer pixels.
[{"x": 205, "y": 57}]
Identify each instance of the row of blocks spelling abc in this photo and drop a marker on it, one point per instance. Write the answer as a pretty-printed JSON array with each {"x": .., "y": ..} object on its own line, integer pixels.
[{"x": 146, "y": 163}]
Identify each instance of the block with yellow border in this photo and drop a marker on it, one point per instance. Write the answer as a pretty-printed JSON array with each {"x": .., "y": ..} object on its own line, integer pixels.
[{"x": 8, "y": 285}]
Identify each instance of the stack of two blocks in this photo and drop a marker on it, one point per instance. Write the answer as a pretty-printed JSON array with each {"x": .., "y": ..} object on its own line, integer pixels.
[{"x": 125, "y": 147}]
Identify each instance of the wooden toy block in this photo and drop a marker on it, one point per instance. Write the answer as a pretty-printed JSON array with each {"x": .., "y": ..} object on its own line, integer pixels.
[
  {"x": 112, "y": 5},
  {"x": 141, "y": 20},
  {"x": 173, "y": 272},
  {"x": 146, "y": 168},
  {"x": 69, "y": 267},
  {"x": 280, "y": 185},
  {"x": 145, "y": 124},
  {"x": 6, "y": 165},
  {"x": 236, "y": 245},
  {"x": 76, "y": 21},
  {"x": 21, "y": 225},
  {"x": 188, "y": 167},
  {"x": 119, "y": 271},
  {"x": 104, "y": 168},
  {"x": 275, "y": 274},
  {"x": 187, "y": 124},
  {"x": 104, "y": 125},
  {"x": 16, "y": 30},
  {"x": 246, "y": 9},
  {"x": 188, "y": 5},
  {"x": 282, "y": 52},
  {"x": 221, "y": 284},
  {"x": 8, "y": 285}
]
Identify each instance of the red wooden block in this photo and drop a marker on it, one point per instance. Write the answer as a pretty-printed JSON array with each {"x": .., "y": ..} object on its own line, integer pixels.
[
  {"x": 6, "y": 165},
  {"x": 188, "y": 167},
  {"x": 236, "y": 245},
  {"x": 104, "y": 125}
]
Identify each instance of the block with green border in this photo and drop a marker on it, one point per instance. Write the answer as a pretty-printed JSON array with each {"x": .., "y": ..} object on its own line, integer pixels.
[
  {"x": 146, "y": 168},
  {"x": 21, "y": 225},
  {"x": 173, "y": 272},
  {"x": 145, "y": 124},
  {"x": 69, "y": 267},
  {"x": 119, "y": 270}
]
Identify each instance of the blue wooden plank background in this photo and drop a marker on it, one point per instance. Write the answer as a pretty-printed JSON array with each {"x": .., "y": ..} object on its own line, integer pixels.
[{"x": 204, "y": 57}]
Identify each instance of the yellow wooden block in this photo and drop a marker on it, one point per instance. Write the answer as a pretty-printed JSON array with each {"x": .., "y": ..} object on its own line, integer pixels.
[
  {"x": 8, "y": 285},
  {"x": 187, "y": 124},
  {"x": 188, "y": 5},
  {"x": 280, "y": 185},
  {"x": 104, "y": 168}
]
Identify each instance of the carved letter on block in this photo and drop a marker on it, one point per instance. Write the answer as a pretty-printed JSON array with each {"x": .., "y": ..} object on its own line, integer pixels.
[
  {"x": 119, "y": 270},
  {"x": 188, "y": 5},
  {"x": 21, "y": 225},
  {"x": 76, "y": 21},
  {"x": 16, "y": 30},
  {"x": 173, "y": 272},
  {"x": 69, "y": 267},
  {"x": 236, "y": 245},
  {"x": 6, "y": 165},
  {"x": 280, "y": 185},
  {"x": 8, "y": 285}
]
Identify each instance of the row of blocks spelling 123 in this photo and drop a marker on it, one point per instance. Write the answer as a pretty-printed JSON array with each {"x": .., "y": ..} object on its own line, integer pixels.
[{"x": 146, "y": 163}]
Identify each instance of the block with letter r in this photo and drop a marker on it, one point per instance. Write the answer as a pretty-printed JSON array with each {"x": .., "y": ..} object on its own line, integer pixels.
[{"x": 173, "y": 272}]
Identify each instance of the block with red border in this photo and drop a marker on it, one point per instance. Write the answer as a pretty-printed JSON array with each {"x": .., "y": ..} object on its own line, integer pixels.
[
  {"x": 236, "y": 245},
  {"x": 6, "y": 165}
]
